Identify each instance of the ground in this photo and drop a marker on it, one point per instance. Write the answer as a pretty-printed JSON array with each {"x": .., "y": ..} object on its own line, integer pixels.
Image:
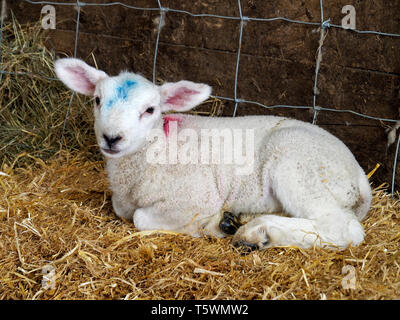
[{"x": 57, "y": 215}]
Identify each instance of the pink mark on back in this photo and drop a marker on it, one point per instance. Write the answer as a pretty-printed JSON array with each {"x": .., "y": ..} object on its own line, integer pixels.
[
  {"x": 167, "y": 119},
  {"x": 181, "y": 96}
]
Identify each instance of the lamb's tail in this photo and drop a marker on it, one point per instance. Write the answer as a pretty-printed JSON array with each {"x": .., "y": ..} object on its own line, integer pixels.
[{"x": 364, "y": 204}]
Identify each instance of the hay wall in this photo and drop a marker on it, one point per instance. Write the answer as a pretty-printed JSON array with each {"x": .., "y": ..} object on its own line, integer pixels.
[{"x": 277, "y": 64}]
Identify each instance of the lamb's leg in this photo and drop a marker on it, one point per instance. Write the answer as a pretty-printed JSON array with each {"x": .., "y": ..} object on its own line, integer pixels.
[
  {"x": 209, "y": 226},
  {"x": 229, "y": 223},
  {"x": 152, "y": 218},
  {"x": 316, "y": 217},
  {"x": 121, "y": 208},
  {"x": 334, "y": 230},
  {"x": 318, "y": 202},
  {"x": 149, "y": 218},
  {"x": 271, "y": 230}
]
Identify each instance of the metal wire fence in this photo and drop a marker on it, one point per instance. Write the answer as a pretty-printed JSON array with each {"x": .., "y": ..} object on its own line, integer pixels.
[{"x": 323, "y": 24}]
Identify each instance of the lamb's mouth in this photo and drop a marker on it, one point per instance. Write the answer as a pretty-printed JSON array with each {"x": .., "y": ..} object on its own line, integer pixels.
[{"x": 110, "y": 151}]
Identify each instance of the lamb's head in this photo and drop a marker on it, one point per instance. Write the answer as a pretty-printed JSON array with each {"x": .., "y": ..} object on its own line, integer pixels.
[{"x": 127, "y": 106}]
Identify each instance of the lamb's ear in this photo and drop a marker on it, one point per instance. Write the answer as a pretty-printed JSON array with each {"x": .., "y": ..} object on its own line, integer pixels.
[
  {"x": 77, "y": 75},
  {"x": 183, "y": 95}
]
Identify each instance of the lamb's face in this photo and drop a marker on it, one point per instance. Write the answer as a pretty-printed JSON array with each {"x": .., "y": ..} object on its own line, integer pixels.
[{"x": 126, "y": 108}]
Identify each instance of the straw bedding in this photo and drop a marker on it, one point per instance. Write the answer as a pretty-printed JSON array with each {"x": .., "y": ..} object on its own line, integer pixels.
[{"x": 55, "y": 210}]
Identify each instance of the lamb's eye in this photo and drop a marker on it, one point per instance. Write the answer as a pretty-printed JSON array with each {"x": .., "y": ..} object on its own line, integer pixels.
[
  {"x": 97, "y": 100},
  {"x": 150, "y": 110}
]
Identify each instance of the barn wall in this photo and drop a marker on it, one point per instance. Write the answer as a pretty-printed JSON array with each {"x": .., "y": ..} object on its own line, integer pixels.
[{"x": 277, "y": 64}]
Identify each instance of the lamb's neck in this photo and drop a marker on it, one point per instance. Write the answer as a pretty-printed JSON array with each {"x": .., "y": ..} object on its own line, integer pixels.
[
  {"x": 132, "y": 161},
  {"x": 133, "y": 164}
]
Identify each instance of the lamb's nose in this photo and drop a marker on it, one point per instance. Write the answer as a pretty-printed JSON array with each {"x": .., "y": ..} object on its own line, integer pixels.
[{"x": 111, "y": 140}]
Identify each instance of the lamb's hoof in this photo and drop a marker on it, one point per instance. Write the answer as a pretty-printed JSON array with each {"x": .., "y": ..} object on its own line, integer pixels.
[
  {"x": 229, "y": 223},
  {"x": 245, "y": 247}
]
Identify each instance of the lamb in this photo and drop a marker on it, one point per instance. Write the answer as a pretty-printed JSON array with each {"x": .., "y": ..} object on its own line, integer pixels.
[{"x": 297, "y": 168}]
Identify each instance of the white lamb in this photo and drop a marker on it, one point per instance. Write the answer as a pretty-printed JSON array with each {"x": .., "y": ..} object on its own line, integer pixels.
[{"x": 298, "y": 168}]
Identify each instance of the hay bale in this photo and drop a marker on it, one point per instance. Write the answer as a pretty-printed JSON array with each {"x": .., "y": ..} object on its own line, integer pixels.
[{"x": 33, "y": 106}]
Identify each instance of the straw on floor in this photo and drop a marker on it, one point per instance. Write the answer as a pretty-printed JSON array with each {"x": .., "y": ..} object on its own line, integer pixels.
[{"x": 58, "y": 213}]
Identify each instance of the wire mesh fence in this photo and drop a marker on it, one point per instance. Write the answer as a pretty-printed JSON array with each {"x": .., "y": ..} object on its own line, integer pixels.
[{"x": 323, "y": 25}]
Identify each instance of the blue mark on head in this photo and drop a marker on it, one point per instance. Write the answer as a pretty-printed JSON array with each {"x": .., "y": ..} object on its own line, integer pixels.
[{"x": 121, "y": 92}]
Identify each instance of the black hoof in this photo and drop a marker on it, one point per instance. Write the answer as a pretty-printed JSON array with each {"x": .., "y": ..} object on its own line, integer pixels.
[
  {"x": 229, "y": 223},
  {"x": 245, "y": 247}
]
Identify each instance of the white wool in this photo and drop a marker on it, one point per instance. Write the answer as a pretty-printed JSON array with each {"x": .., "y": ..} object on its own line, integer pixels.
[{"x": 298, "y": 168}]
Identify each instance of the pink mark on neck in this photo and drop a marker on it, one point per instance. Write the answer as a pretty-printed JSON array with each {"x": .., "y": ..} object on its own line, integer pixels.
[
  {"x": 167, "y": 119},
  {"x": 180, "y": 97}
]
